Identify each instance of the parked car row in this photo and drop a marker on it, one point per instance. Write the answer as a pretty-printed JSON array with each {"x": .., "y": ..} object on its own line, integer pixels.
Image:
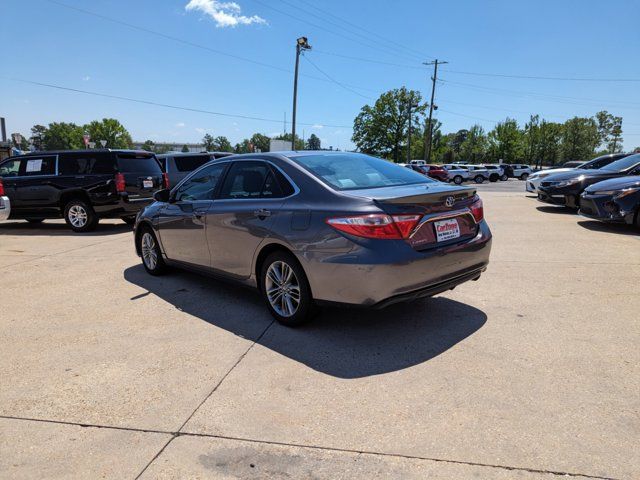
[
  {"x": 606, "y": 188},
  {"x": 459, "y": 173}
]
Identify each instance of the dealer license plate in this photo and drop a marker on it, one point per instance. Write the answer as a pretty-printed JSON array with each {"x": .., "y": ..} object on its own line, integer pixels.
[{"x": 447, "y": 229}]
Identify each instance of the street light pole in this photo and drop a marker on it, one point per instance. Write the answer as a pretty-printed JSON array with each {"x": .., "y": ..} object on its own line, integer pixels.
[{"x": 301, "y": 45}]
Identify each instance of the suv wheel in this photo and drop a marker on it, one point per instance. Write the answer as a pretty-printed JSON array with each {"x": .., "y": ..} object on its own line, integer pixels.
[
  {"x": 457, "y": 179},
  {"x": 494, "y": 177},
  {"x": 150, "y": 252},
  {"x": 478, "y": 179},
  {"x": 285, "y": 289},
  {"x": 80, "y": 216},
  {"x": 524, "y": 176},
  {"x": 504, "y": 177}
]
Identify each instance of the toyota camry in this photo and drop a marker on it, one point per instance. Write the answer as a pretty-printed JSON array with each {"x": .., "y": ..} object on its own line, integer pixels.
[{"x": 311, "y": 228}]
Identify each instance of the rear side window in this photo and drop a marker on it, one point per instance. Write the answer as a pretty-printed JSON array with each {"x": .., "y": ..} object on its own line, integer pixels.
[
  {"x": 86, "y": 164},
  {"x": 34, "y": 166},
  {"x": 10, "y": 168},
  {"x": 189, "y": 163},
  {"x": 285, "y": 185},
  {"x": 138, "y": 163}
]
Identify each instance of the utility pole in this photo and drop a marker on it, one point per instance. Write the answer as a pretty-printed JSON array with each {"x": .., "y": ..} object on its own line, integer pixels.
[
  {"x": 301, "y": 45},
  {"x": 411, "y": 105},
  {"x": 429, "y": 130}
]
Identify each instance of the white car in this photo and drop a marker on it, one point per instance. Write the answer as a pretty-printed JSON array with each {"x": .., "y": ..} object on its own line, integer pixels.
[
  {"x": 496, "y": 172},
  {"x": 521, "y": 171},
  {"x": 478, "y": 173},
  {"x": 418, "y": 162},
  {"x": 457, "y": 173}
]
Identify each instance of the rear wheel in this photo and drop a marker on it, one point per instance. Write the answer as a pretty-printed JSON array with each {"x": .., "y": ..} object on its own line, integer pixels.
[
  {"x": 457, "y": 179},
  {"x": 80, "y": 216},
  {"x": 478, "y": 179},
  {"x": 35, "y": 220},
  {"x": 494, "y": 177},
  {"x": 150, "y": 252},
  {"x": 524, "y": 176},
  {"x": 285, "y": 288},
  {"x": 504, "y": 177}
]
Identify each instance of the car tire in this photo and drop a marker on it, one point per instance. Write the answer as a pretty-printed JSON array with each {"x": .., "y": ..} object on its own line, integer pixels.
[
  {"x": 150, "y": 253},
  {"x": 457, "y": 179},
  {"x": 129, "y": 220},
  {"x": 524, "y": 176},
  {"x": 35, "y": 220},
  {"x": 80, "y": 216},
  {"x": 288, "y": 299},
  {"x": 504, "y": 178},
  {"x": 478, "y": 179},
  {"x": 494, "y": 178}
]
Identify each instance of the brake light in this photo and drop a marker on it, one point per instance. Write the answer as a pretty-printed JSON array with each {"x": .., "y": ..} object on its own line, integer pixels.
[
  {"x": 477, "y": 210},
  {"x": 165, "y": 180},
  {"x": 376, "y": 225},
  {"x": 1, "y": 188},
  {"x": 120, "y": 183}
]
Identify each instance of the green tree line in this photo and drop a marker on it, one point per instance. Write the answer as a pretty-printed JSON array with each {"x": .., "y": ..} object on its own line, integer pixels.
[{"x": 383, "y": 129}]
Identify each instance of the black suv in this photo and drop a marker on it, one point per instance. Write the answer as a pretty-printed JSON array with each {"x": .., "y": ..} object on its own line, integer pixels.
[{"x": 80, "y": 185}]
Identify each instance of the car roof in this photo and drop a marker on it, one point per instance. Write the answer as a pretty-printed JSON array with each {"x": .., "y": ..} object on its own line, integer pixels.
[{"x": 91, "y": 150}]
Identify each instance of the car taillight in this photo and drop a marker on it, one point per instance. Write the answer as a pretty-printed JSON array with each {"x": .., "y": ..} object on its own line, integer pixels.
[
  {"x": 165, "y": 180},
  {"x": 477, "y": 210},
  {"x": 1, "y": 187},
  {"x": 376, "y": 225},
  {"x": 120, "y": 183}
]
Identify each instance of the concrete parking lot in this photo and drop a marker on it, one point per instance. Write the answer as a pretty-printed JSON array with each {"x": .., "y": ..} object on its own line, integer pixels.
[{"x": 531, "y": 372}]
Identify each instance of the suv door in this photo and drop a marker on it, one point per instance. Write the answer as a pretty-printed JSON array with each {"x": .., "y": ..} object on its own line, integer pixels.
[
  {"x": 91, "y": 172},
  {"x": 182, "y": 222},
  {"x": 34, "y": 187},
  {"x": 242, "y": 214}
]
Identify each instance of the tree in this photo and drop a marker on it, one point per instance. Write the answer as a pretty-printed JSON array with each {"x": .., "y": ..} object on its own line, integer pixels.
[
  {"x": 382, "y": 128},
  {"x": 243, "y": 147},
  {"x": 313, "y": 143},
  {"x": 111, "y": 130},
  {"x": 609, "y": 131},
  {"x": 222, "y": 144},
  {"x": 615, "y": 144},
  {"x": 63, "y": 136},
  {"x": 550, "y": 143},
  {"x": 505, "y": 141},
  {"x": 185, "y": 149},
  {"x": 531, "y": 139},
  {"x": 458, "y": 139},
  {"x": 474, "y": 146},
  {"x": 208, "y": 143},
  {"x": 149, "y": 146},
  {"x": 580, "y": 138},
  {"x": 38, "y": 133},
  {"x": 260, "y": 142}
]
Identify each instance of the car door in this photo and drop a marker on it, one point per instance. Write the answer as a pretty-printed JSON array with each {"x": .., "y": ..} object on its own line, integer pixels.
[
  {"x": 182, "y": 223},
  {"x": 35, "y": 188},
  {"x": 242, "y": 214}
]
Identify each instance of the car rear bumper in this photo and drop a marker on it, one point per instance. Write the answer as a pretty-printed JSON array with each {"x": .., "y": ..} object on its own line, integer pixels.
[
  {"x": 5, "y": 208},
  {"x": 125, "y": 206},
  {"x": 402, "y": 274}
]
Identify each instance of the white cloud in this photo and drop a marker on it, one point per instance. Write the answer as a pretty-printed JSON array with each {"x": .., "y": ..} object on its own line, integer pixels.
[
  {"x": 224, "y": 14},
  {"x": 180, "y": 124},
  {"x": 86, "y": 78},
  {"x": 317, "y": 126}
]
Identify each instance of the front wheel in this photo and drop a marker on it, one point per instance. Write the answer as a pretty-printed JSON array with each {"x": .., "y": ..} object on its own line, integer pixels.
[
  {"x": 285, "y": 289},
  {"x": 80, "y": 216},
  {"x": 524, "y": 176},
  {"x": 457, "y": 179},
  {"x": 479, "y": 179},
  {"x": 504, "y": 178},
  {"x": 150, "y": 252}
]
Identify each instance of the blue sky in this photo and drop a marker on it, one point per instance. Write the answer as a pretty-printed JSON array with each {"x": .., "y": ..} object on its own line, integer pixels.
[{"x": 50, "y": 43}]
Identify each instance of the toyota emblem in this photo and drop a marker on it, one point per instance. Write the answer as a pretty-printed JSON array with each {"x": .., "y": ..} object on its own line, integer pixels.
[{"x": 450, "y": 201}]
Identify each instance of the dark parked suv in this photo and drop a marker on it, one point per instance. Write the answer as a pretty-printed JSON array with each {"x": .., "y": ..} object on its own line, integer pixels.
[
  {"x": 80, "y": 185},
  {"x": 179, "y": 165}
]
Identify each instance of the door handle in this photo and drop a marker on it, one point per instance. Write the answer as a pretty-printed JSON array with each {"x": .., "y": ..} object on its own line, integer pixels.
[{"x": 262, "y": 213}]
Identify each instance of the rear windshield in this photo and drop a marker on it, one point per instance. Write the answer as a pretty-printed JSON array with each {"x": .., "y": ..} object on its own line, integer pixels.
[
  {"x": 138, "y": 163},
  {"x": 351, "y": 171},
  {"x": 188, "y": 163},
  {"x": 622, "y": 164}
]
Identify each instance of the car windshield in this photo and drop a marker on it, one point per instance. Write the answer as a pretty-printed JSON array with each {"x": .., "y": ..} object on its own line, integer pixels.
[
  {"x": 622, "y": 164},
  {"x": 351, "y": 171}
]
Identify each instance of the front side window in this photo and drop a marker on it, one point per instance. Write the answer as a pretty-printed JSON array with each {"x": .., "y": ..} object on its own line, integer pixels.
[
  {"x": 10, "y": 168},
  {"x": 351, "y": 171},
  {"x": 201, "y": 186},
  {"x": 250, "y": 180},
  {"x": 34, "y": 166}
]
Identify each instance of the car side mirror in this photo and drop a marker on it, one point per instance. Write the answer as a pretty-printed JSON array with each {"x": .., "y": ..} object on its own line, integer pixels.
[{"x": 162, "y": 195}]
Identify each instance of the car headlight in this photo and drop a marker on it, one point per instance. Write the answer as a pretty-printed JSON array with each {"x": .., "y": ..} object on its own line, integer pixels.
[
  {"x": 603, "y": 192},
  {"x": 626, "y": 192},
  {"x": 567, "y": 183}
]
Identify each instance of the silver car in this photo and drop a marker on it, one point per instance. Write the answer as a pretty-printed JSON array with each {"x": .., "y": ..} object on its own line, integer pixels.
[{"x": 311, "y": 228}]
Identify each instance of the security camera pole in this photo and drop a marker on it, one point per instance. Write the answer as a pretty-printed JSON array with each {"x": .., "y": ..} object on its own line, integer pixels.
[{"x": 301, "y": 45}]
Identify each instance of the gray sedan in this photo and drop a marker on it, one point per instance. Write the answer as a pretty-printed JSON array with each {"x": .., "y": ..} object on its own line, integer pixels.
[{"x": 311, "y": 228}]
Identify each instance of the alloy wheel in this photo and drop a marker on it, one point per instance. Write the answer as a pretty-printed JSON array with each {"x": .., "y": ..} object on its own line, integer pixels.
[
  {"x": 78, "y": 216},
  {"x": 149, "y": 253},
  {"x": 282, "y": 288}
]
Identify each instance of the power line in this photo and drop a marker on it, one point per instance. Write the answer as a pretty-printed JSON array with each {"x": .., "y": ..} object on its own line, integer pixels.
[
  {"x": 369, "y": 60},
  {"x": 538, "y": 77},
  {"x": 159, "y": 104},
  {"x": 190, "y": 43},
  {"x": 334, "y": 80}
]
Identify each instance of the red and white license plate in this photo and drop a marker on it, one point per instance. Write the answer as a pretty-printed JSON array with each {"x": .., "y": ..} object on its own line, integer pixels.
[
  {"x": 147, "y": 184},
  {"x": 447, "y": 229}
]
